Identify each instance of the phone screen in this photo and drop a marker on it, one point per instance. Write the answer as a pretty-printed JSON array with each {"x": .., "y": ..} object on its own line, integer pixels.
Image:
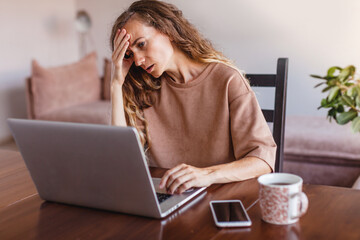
[{"x": 229, "y": 212}]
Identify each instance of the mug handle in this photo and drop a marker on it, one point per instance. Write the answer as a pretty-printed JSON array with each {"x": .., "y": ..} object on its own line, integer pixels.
[{"x": 304, "y": 203}]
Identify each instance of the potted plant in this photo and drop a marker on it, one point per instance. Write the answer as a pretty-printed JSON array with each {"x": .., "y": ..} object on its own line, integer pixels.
[{"x": 343, "y": 99}]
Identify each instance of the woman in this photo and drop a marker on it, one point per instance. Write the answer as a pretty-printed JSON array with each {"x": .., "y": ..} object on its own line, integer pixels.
[{"x": 194, "y": 111}]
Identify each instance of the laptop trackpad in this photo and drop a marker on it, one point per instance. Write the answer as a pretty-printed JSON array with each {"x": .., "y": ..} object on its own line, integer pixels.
[{"x": 156, "y": 182}]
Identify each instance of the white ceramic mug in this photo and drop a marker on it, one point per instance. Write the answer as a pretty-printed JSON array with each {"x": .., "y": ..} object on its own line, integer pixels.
[{"x": 281, "y": 198}]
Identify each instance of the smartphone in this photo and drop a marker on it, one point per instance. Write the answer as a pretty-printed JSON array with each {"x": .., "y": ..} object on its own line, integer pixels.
[{"x": 229, "y": 213}]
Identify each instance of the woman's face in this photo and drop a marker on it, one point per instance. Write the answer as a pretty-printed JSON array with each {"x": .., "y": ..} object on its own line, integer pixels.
[{"x": 148, "y": 48}]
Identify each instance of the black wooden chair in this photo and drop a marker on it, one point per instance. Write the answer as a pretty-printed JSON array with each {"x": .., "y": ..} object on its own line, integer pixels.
[{"x": 276, "y": 116}]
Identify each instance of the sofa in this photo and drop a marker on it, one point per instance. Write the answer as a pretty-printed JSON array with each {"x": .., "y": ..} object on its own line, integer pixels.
[
  {"x": 319, "y": 151},
  {"x": 322, "y": 152}
]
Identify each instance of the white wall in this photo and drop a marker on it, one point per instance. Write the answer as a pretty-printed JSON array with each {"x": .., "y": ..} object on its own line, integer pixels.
[
  {"x": 314, "y": 35},
  {"x": 38, "y": 29}
]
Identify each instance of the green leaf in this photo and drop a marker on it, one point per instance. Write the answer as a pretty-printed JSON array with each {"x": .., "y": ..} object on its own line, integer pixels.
[
  {"x": 340, "y": 109},
  {"x": 347, "y": 100},
  {"x": 357, "y": 100},
  {"x": 345, "y": 117},
  {"x": 332, "y": 112},
  {"x": 326, "y": 89},
  {"x": 332, "y": 82},
  {"x": 352, "y": 70},
  {"x": 356, "y": 124},
  {"x": 317, "y": 76},
  {"x": 351, "y": 92},
  {"x": 319, "y": 84},
  {"x": 348, "y": 84},
  {"x": 344, "y": 74},
  {"x": 357, "y": 89},
  {"x": 328, "y": 78},
  {"x": 333, "y": 93},
  {"x": 332, "y": 70},
  {"x": 324, "y": 102}
]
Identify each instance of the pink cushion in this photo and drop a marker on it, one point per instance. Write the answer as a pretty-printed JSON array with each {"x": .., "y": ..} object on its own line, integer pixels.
[
  {"x": 107, "y": 79},
  {"x": 60, "y": 87},
  {"x": 94, "y": 112}
]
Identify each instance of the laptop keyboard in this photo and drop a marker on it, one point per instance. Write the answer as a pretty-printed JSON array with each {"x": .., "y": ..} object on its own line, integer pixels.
[{"x": 162, "y": 196}]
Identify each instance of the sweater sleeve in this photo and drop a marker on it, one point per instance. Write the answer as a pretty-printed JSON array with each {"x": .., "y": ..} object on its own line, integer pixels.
[{"x": 250, "y": 133}]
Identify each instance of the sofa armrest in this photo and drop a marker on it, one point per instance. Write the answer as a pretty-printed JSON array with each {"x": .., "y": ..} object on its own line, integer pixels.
[
  {"x": 107, "y": 79},
  {"x": 29, "y": 99}
]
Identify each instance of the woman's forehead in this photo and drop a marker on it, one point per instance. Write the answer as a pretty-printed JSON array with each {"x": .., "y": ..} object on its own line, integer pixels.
[{"x": 136, "y": 28}]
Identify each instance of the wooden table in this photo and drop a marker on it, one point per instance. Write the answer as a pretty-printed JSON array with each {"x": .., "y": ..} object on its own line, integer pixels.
[{"x": 334, "y": 213}]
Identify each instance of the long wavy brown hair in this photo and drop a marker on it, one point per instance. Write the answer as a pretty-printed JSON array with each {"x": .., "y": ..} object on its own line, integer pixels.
[{"x": 139, "y": 85}]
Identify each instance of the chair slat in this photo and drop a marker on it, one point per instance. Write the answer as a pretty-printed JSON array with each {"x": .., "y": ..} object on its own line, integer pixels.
[
  {"x": 262, "y": 80},
  {"x": 268, "y": 114}
]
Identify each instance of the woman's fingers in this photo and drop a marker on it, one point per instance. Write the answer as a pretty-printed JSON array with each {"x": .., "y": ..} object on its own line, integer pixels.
[
  {"x": 174, "y": 176},
  {"x": 120, "y": 35},
  {"x": 121, "y": 48},
  {"x": 122, "y": 51},
  {"x": 181, "y": 181},
  {"x": 168, "y": 173},
  {"x": 186, "y": 185},
  {"x": 116, "y": 37},
  {"x": 116, "y": 43},
  {"x": 183, "y": 177}
]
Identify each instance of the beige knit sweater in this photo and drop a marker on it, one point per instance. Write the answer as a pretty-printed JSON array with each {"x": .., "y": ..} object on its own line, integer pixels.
[{"x": 210, "y": 120}]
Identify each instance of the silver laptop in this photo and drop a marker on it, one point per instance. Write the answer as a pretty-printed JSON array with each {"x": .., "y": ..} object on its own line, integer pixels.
[{"x": 93, "y": 165}]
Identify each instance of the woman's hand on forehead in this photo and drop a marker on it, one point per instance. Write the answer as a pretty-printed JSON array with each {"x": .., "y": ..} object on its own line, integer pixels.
[{"x": 122, "y": 65}]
